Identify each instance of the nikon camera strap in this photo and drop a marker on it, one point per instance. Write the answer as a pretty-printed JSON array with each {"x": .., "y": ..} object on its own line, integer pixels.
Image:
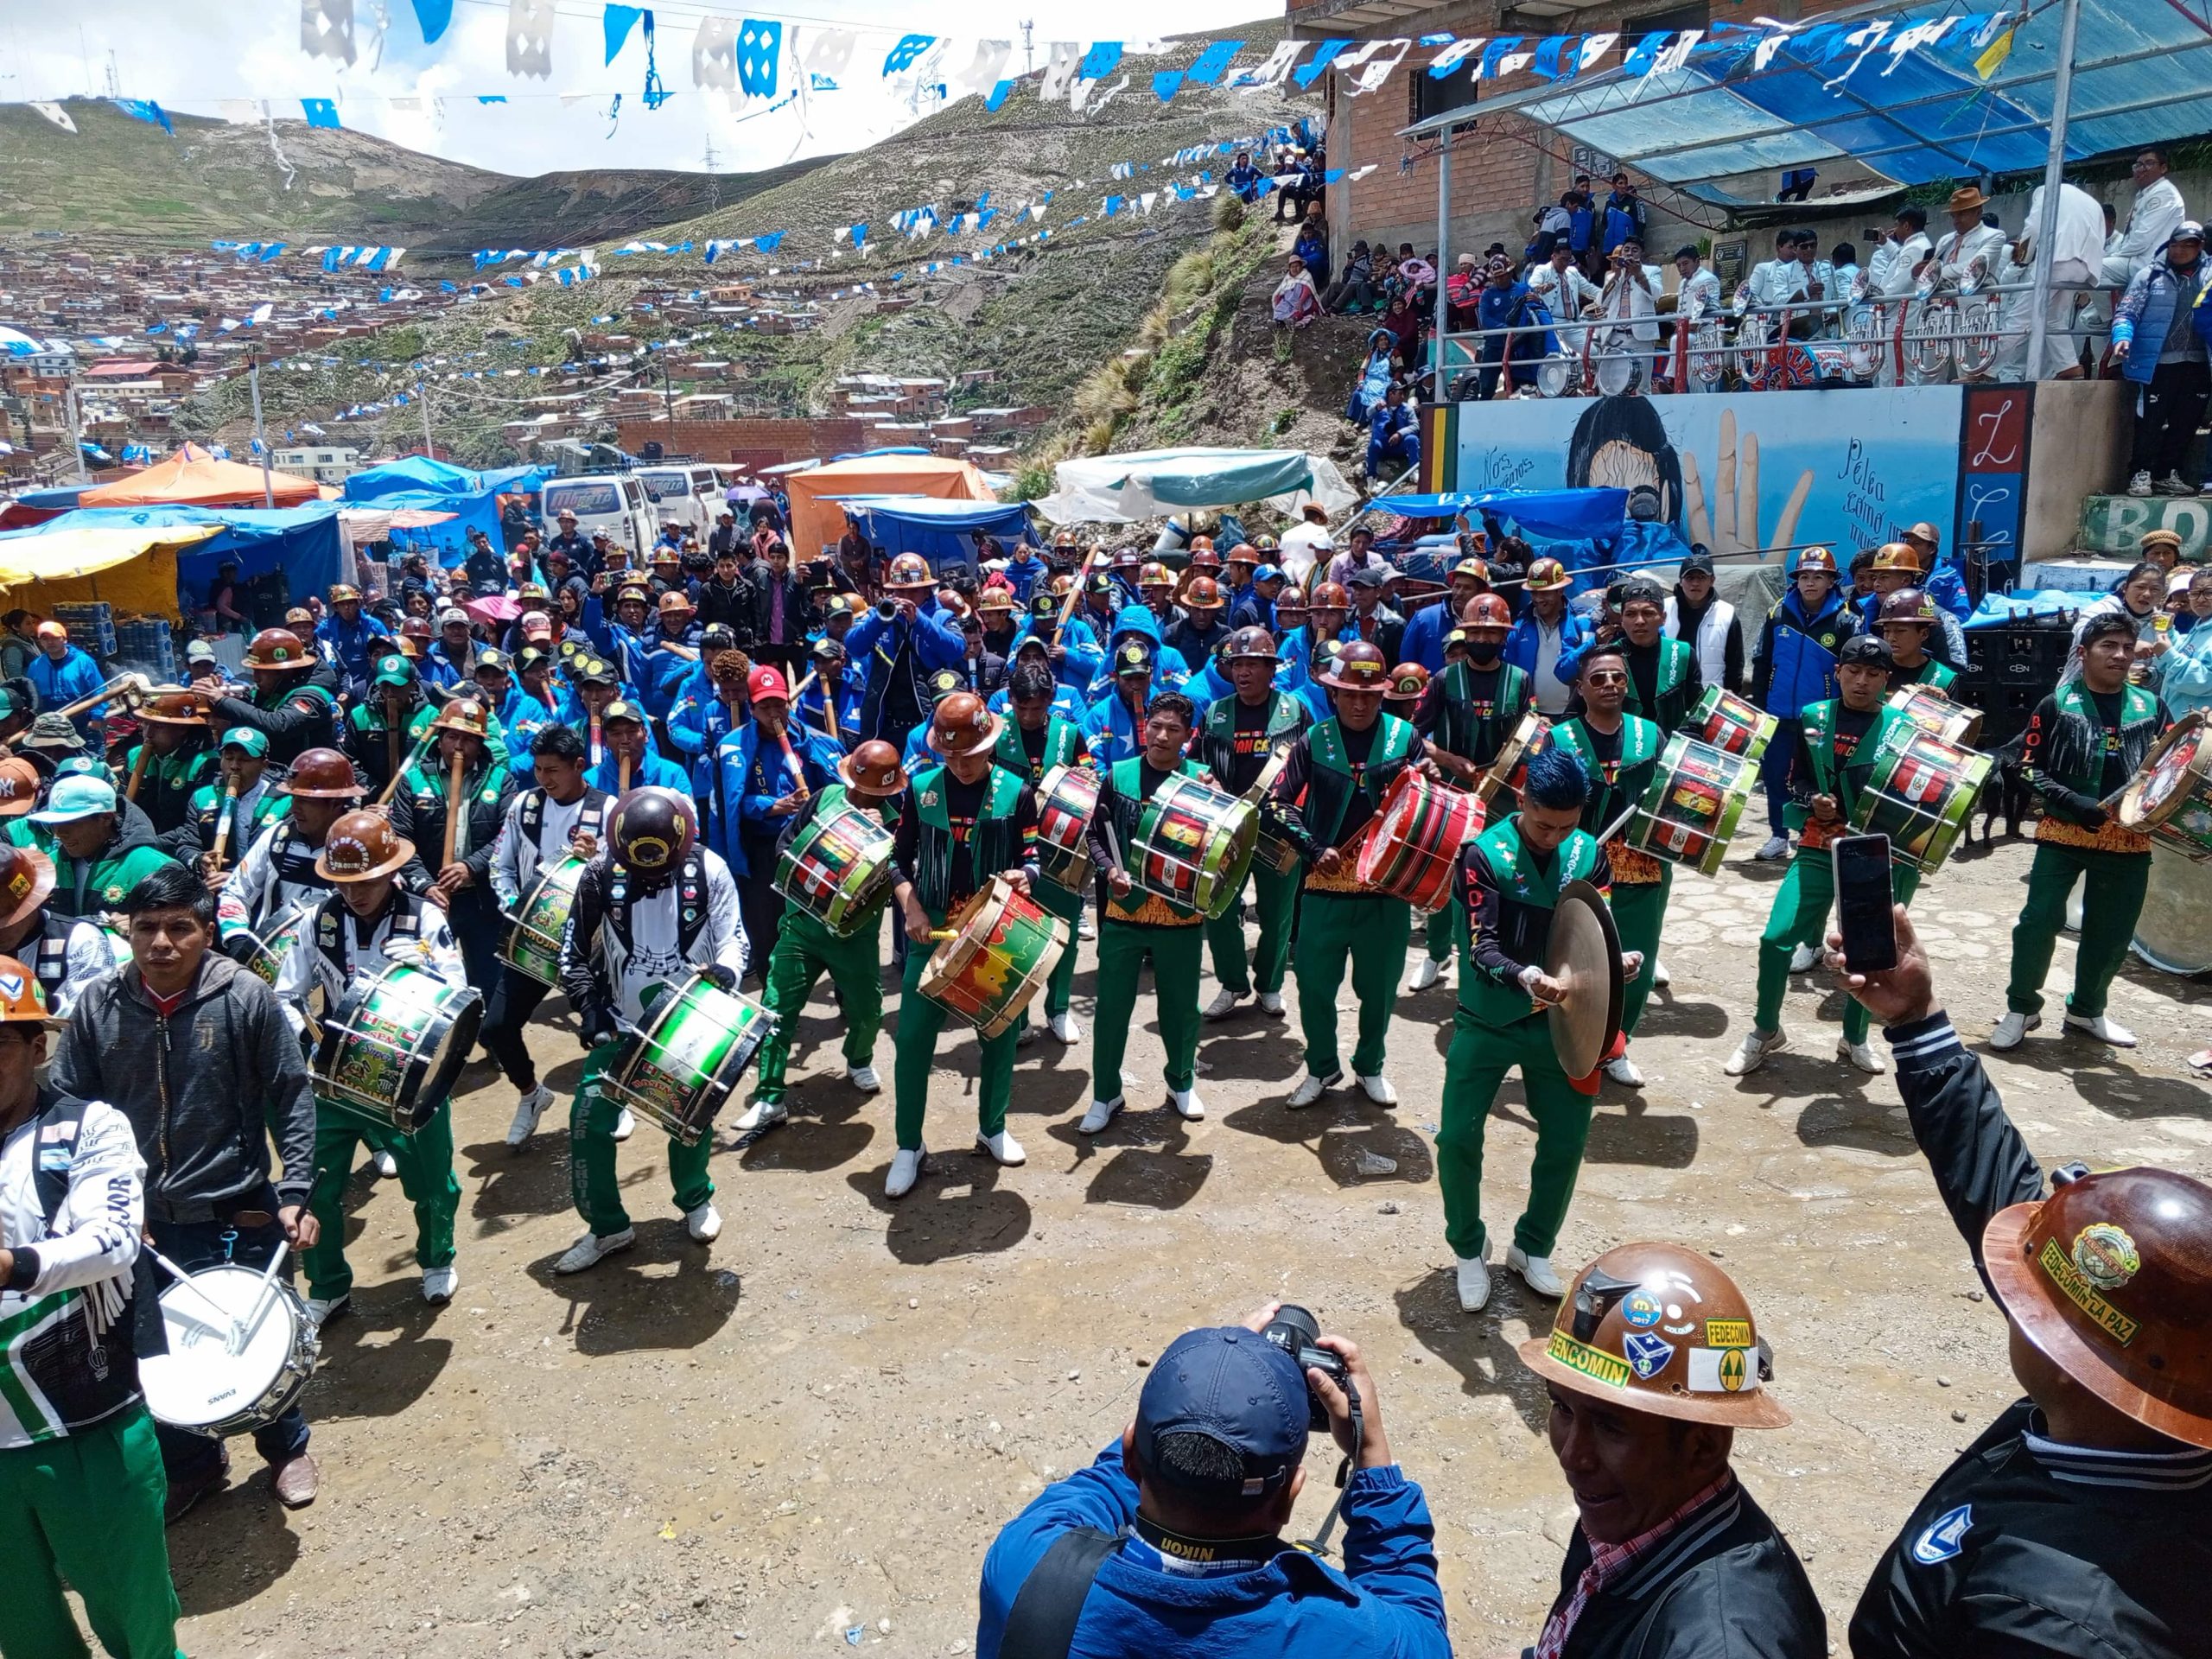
[{"x": 1041, "y": 1622}]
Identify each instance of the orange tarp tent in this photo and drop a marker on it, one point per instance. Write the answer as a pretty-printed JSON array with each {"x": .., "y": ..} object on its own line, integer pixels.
[
  {"x": 818, "y": 521},
  {"x": 193, "y": 478}
]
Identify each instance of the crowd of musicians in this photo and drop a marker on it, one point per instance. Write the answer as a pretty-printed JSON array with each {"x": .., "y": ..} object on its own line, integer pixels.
[{"x": 198, "y": 880}]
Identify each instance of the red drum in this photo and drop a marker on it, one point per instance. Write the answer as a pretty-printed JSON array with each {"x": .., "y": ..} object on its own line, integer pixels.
[
  {"x": 1411, "y": 850},
  {"x": 1065, "y": 801},
  {"x": 1510, "y": 769}
]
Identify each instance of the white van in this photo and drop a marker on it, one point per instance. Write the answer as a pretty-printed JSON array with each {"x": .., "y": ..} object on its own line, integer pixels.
[
  {"x": 614, "y": 502},
  {"x": 687, "y": 494}
]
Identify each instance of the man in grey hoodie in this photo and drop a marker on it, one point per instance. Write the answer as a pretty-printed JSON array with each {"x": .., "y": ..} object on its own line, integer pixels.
[{"x": 195, "y": 1050}]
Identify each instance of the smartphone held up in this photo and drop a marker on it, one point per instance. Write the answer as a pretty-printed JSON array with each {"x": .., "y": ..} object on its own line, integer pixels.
[{"x": 1864, "y": 898}]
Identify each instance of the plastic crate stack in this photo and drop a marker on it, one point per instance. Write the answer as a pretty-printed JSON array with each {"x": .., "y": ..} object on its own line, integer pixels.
[
  {"x": 2012, "y": 669},
  {"x": 91, "y": 627},
  {"x": 145, "y": 645}
]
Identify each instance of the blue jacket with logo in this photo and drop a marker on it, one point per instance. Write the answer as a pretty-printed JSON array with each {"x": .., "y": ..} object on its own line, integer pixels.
[{"x": 1795, "y": 662}]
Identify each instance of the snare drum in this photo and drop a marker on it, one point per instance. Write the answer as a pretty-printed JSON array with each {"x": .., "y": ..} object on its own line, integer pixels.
[
  {"x": 1510, "y": 770},
  {"x": 687, "y": 1057},
  {"x": 532, "y": 946},
  {"x": 274, "y": 943},
  {"x": 1411, "y": 849},
  {"x": 199, "y": 1385},
  {"x": 2171, "y": 800},
  {"x": 1734, "y": 724},
  {"x": 1920, "y": 795},
  {"x": 1065, "y": 800},
  {"x": 1194, "y": 845},
  {"x": 1694, "y": 802},
  {"x": 395, "y": 1045},
  {"x": 838, "y": 869},
  {"x": 1934, "y": 713},
  {"x": 1002, "y": 950}
]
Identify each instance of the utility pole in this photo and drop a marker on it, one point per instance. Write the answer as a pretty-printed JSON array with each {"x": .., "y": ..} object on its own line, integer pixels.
[
  {"x": 667, "y": 396},
  {"x": 1028, "y": 51},
  {"x": 422, "y": 397},
  {"x": 260, "y": 433},
  {"x": 76, "y": 434}
]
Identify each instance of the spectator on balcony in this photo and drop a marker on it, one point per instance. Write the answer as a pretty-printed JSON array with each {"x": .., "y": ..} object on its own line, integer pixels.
[
  {"x": 1892, "y": 269},
  {"x": 1566, "y": 293},
  {"x": 1506, "y": 304},
  {"x": 1354, "y": 291},
  {"x": 1419, "y": 275},
  {"x": 1625, "y": 214},
  {"x": 2151, "y": 222},
  {"x": 1582, "y": 224},
  {"x": 1463, "y": 292},
  {"x": 1554, "y": 224},
  {"x": 2076, "y": 255},
  {"x": 1699, "y": 293},
  {"x": 2162, "y": 352},
  {"x": 1972, "y": 248}
]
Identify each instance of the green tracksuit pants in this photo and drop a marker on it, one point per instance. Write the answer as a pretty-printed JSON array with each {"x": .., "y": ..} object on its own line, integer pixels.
[
  {"x": 1371, "y": 931},
  {"x": 1800, "y": 916},
  {"x": 1476, "y": 1063},
  {"x": 1060, "y": 989},
  {"x": 592, "y": 1184},
  {"x": 426, "y": 1176},
  {"x": 1275, "y": 897},
  {"x": 87, "y": 1507},
  {"x": 1175, "y": 953},
  {"x": 2112, "y": 902},
  {"x": 1639, "y": 914},
  {"x": 805, "y": 951},
  {"x": 1441, "y": 936},
  {"x": 920, "y": 1019}
]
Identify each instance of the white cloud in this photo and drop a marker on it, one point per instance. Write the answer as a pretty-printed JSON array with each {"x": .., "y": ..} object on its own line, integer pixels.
[{"x": 196, "y": 56}]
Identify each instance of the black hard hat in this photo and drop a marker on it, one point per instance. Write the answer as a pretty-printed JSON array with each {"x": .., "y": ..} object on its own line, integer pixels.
[{"x": 651, "y": 829}]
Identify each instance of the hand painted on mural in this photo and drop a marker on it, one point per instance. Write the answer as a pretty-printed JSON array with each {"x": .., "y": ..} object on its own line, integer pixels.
[{"x": 1732, "y": 529}]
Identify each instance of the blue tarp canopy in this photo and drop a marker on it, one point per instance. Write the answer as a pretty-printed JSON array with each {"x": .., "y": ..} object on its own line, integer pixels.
[
  {"x": 1542, "y": 515},
  {"x": 302, "y": 540},
  {"x": 1721, "y": 125},
  {"x": 2028, "y": 605},
  {"x": 420, "y": 481},
  {"x": 939, "y": 530},
  {"x": 60, "y": 498},
  {"x": 412, "y": 472},
  {"x": 517, "y": 480}
]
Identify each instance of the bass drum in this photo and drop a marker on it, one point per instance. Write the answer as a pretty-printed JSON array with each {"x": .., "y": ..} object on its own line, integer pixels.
[{"x": 2174, "y": 932}]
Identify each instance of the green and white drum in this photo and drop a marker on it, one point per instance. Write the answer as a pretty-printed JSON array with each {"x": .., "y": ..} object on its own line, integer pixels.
[
  {"x": 1920, "y": 794},
  {"x": 838, "y": 869},
  {"x": 1930, "y": 711},
  {"x": 1194, "y": 845},
  {"x": 1694, "y": 802},
  {"x": 276, "y": 941},
  {"x": 2171, "y": 800},
  {"x": 532, "y": 946},
  {"x": 1732, "y": 724},
  {"x": 687, "y": 1058},
  {"x": 396, "y": 1042}
]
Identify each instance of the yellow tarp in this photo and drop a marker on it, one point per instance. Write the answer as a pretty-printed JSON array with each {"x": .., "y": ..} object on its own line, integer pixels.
[
  {"x": 134, "y": 569},
  {"x": 817, "y": 522}
]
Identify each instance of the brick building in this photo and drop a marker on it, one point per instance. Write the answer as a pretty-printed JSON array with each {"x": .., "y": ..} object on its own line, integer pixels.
[{"x": 749, "y": 442}]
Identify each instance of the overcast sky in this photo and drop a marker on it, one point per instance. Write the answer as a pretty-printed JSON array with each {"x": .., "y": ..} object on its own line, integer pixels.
[{"x": 194, "y": 55}]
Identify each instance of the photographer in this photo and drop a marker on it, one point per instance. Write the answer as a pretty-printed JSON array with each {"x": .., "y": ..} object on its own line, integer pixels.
[{"x": 1172, "y": 1542}]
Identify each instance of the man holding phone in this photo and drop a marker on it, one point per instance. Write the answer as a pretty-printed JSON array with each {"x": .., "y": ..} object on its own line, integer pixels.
[{"x": 1837, "y": 741}]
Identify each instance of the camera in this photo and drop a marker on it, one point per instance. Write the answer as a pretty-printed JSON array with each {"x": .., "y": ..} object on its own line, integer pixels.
[{"x": 1295, "y": 1332}]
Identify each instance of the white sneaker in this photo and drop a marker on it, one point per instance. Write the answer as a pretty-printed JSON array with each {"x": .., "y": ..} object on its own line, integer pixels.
[
  {"x": 387, "y": 1165},
  {"x": 1804, "y": 958},
  {"x": 1313, "y": 1089},
  {"x": 592, "y": 1248},
  {"x": 1776, "y": 847},
  {"x": 863, "y": 1078},
  {"x": 1086, "y": 929},
  {"x": 1474, "y": 1283},
  {"x": 2104, "y": 1029},
  {"x": 1271, "y": 1004},
  {"x": 762, "y": 1114},
  {"x": 1621, "y": 1069},
  {"x": 1004, "y": 1147},
  {"x": 1188, "y": 1104},
  {"x": 323, "y": 1309},
  {"x": 2139, "y": 485},
  {"x": 2013, "y": 1030},
  {"x": 623, "y": 1124},
  {"x": 704, "y": 1224},
  {"x": 1535, "y": 1272},
  {"x": 1660, "y": 979},
  {"x": 1223, "y": 1004},
  {"x": 1861, "y": 1055},
  {"x": 1064, "y": 1029},
  {"x": 438, "y": 1285},
  {"x": 1025, "y": 1036},
  {"x": 1100, "y": 1115},
  {"x": 1752, "y": 1052},
  {"x": 1378, "y": 1090},
  {"x": 2172, "y": 484},
  {"x": 528, "y": 1110},
  {"x": 905, "y": 1170},
  {"x": 1426, "y": 973}
]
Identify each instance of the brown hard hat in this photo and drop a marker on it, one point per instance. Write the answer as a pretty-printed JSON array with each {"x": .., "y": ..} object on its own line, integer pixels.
[
  {"x": 995, "y": 598},
  {"x": 963, "y": 724},
  {"x": 26, "y": 881},
  {"x": 1153, "y": 574},
  {"x": 651, "y": 829},
  {"x": 175, "y": 709},
  {"x": 1408, "y": 682},
  {"x": 1895, "y": 556},
  {"x": 675, "y": 600},
  {"x": 1203, "y": 556},
  {"x": 1486, "y": 611},
  {"x": 2111, "y": 1278},
  {"x": 1659, "y": 1329},
  {"x": 1907, "y": 605},
  {"x": 872, "y": 770},
  {"x": 909, "y": 570},
  {"x": 1203, "y": 594},
  {"x": 1249, "y": 645},
  {"x": 278, "y": 648},
  {"x": 322, "y": 775},
  {"x": 1358, "y": 667},
  {"x": 1330, "y": 596},
  {"x": 360, "y": 847},
  {"x": 465, "y": 715}
]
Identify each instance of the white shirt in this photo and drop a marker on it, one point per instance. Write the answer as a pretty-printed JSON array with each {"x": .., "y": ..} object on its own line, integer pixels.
[
  {"x": 2080, "y": 234},
  {"x": 1699, "y": 295},
  {"x": 1302, "y": 545},
  {"x": 1551, "y": 695},
  {"x": 305, "y": 968},
  {"x": 1897, "y": 280},
  {"x": 2157, "y": 212},
  {"x": 1564, "y": 292},
  {"x": 654, "y": 930},
  {"x": 254, "y": 896},
  {"x": 516, "y": 858},
  {"x": 1626, "y": 301}
]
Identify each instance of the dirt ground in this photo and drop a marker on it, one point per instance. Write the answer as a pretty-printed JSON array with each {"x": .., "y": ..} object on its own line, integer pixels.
[{"x": 806, "y": 1435}]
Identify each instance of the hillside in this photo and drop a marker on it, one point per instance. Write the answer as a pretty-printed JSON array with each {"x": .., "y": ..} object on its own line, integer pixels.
[{"x": 217, "y": 179}]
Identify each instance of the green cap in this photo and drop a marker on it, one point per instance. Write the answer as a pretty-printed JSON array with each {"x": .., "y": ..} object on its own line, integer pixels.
[
  {"x": 244, "y": 737},
  {"x": 394, "y": 669}
]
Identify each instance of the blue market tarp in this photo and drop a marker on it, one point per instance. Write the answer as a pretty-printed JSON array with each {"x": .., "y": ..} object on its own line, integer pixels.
[
  {"x": 2027, "y": 604},
  {"x": 302, "y": 541},
  {"x": 61, "y": 498},
  {"x": 1542, "y": 515},
  {"x": 939, "y": 531},
  {"x": 411, "y": 473},
  {"x": 438, "y": 486},
  {"x": 517, "y": 480}
]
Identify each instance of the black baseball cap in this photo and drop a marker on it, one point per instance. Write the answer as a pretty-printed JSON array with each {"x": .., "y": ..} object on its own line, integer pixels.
[
  {"x": 1697, "y": 560},
  {"x": 1236, "y": 1387},
  {"x": 1869, "y": 648}
]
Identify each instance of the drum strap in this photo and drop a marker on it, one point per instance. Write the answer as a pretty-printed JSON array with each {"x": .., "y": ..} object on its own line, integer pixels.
[
  {"x": 61, "y": 1125},
  {"x": 691, "y": 916}
]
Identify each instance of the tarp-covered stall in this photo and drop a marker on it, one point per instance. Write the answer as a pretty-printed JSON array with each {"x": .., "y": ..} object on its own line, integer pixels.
[
  {"x": 422, "y": 483},
  {"x": 1121, "y": 489},
  {"x": 817, "y": 519},
  {"x": 941, "y": 531},
  {"x": 131, "y": 567},
  {"x": 193, "y": 478}
]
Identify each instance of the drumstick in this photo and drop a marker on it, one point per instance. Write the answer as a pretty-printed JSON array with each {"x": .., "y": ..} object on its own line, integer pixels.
[
  {"x": 1617, "y": 825},
  {"x": 242, "y": 1330},
  {"x": 454, "y": 802},
  {"x": 223, "y": 828},
  {"x": 421, "y": 747},
  {"x": 390, "y": 732},
  {"x": 223, "y": 1319}
]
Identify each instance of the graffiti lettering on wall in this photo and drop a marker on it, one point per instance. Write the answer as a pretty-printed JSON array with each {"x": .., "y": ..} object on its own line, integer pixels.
[
  {"x": 1862, "y": 495},
  {"x": 2115, "y": 525}
]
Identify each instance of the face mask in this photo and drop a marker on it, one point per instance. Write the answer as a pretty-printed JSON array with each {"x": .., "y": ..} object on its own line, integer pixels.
[{"x": 1481, "y": 652}]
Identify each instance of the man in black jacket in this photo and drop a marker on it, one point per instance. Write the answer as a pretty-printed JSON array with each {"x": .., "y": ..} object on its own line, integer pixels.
[
  {"x": 1653, "y": 1363},
  {"x": 2080, "y": 1523},
  {"x": 197, "y": 1053}
]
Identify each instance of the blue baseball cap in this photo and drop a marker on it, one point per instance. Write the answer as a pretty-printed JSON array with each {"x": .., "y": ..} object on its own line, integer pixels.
[
  {"x": 1269, "y": 573},
  {"x": 76, "y": 797},
  {"x": 1234, "y": 1386}
]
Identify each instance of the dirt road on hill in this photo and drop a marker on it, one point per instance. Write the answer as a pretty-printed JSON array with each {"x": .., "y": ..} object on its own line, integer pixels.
[{"x": 805, "y": 1436}]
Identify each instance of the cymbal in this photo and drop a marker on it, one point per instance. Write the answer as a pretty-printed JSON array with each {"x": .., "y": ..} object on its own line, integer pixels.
[{"x": 1584, "y": 952}]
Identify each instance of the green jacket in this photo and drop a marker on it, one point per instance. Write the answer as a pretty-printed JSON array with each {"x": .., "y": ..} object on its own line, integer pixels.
[
  {"x": 165, "y": 788},
  {"x": 1613, "y": 791},
  {"x": 1521, "y": 884},
  {"x": 95, "y": 885},
  {"x": 1215, "y": 748},
  {"x": 1329, "y": 791},
  {"x": 2066, "y": 743},
  {"x": 1475, "y": 729},
  {"x": 206, "y": 810},
  {"x": 992, "y": 846},
  {"x": 1062, "y": 742},
  {"x": 1845, "y": 782},
  {"x": 1677, "y": 666}
]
